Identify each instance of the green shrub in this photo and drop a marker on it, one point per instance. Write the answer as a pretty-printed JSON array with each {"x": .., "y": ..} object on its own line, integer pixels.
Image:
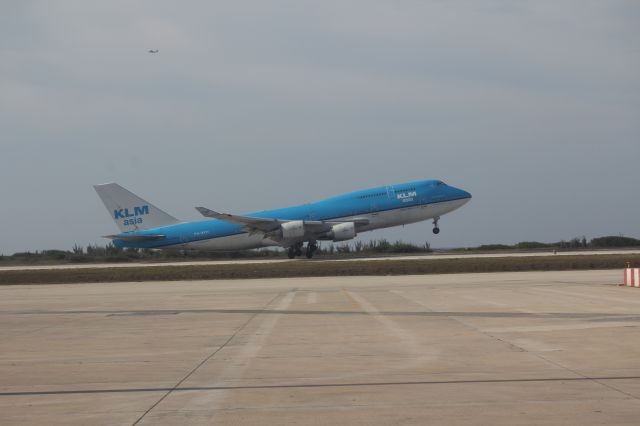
[
  {"x": 532, "y": 245},
  {"x": 615, "y": 241},
  {"x": 117, "y": 258},
  {"x": 494, "y": 247},
  {"x": 78, "y": 258},
  {"x": 55, "y": 254}
]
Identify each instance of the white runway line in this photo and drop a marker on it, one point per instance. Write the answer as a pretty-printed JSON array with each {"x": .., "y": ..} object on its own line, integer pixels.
[
  {"x": 577, "y": 294},
  {"x": 419, "y": 352},
  {"x": 311, "y": 297},
  {"x": 211, "y": 401}
]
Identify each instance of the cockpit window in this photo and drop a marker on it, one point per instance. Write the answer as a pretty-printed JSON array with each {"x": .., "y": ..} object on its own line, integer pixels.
[{"x": 440, "y": 183}]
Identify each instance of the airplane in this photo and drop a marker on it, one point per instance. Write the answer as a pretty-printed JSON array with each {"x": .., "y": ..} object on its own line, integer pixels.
[
  {"x": 153, "y": 51},
  {"x": 339, "y": 218}
]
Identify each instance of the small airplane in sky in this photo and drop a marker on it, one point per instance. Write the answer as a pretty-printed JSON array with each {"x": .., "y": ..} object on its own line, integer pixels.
[
  {"x": 340, "y": 218},
  {"x": 153, "y": 51}
]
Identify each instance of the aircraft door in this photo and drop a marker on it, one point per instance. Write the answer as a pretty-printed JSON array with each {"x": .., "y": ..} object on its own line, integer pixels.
[
  {"x": 184, "y": 238},
  {"x": 375, "y": 204}
]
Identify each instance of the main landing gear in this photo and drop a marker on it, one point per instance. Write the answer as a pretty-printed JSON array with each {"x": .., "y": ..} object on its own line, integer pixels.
[
  {"x": 296, "y": 250},
  {"x": 311, "y": 248},
  {"x": 436, "y": 230}
]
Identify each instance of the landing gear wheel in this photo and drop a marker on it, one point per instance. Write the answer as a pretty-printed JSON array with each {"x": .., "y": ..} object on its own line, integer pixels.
[
  {"x": 291, "y": 253},
  {"x": 436, "y": 230},
  {"x": 311, "y": 248},
  {"x": 295, "y": 250}
]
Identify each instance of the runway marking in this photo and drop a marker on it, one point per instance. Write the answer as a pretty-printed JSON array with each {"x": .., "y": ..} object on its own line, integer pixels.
[
  {"x": 576, "y": 293},
  {"x": 581, "y": 326},
  {"x": 241, "y": 361},
  {"x": 512, "y": 343},
  {"x": 207, "y": 358},
  {"x": 311, "y": 297},
  {"x": 409, "y": 340},
  {"x": 316, "y": 385},
  {"x": 595, "y": 316},
  {"x": 353, "y": 301},
  {"x": 532, "y": 345}
]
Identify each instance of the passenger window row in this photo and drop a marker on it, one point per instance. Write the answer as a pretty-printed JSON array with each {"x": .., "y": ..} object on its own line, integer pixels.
[{"x": 379, "y": 194}]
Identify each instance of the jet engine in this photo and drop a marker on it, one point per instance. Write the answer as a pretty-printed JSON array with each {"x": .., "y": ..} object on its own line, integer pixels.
[
  {"x": 292, "y": 230},
  {"x": 343, "y": 231}
]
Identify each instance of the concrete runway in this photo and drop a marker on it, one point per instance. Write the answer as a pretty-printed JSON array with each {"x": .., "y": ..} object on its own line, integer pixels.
[
  {"x": 432, "y": 256},
  {"x": 544, "y": 348}
]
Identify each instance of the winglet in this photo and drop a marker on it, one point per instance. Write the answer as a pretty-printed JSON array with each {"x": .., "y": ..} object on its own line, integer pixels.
[
  {"x": 222, "y": 216},
  {"x": 209, "y": 213}
]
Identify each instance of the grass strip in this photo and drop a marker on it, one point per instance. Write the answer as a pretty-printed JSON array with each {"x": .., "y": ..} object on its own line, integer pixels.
[{"x": 316, "y": 269}]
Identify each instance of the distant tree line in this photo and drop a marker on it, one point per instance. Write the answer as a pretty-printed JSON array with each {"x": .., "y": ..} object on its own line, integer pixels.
[
  {"x": 574, "y": 243},
  {"x": 376, "y": 246},
  {"x": 111, "y": 253}
]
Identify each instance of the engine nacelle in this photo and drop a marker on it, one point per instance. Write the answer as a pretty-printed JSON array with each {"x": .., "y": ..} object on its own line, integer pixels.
[
  {"x": 292, "y": 230},
  {"x": 343, "y": 231}
]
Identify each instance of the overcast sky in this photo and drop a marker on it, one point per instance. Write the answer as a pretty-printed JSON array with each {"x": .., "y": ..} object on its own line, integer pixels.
[{"x": 533, "y": 107}]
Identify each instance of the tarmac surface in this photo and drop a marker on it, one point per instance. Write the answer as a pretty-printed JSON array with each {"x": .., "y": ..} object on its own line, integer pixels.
[
  {"x": 431, "y": 256},
  {"x": 544, "y": 348}
]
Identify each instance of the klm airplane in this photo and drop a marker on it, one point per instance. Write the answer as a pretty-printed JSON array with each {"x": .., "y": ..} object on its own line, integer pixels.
[{"x": 340, "y": 218}]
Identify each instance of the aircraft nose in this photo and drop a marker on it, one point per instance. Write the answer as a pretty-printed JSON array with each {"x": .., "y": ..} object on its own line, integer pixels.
[{"x": 461, "y": 193}]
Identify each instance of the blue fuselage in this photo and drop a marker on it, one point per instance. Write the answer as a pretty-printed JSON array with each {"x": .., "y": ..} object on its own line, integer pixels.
[{"x": 382, "y": 207}]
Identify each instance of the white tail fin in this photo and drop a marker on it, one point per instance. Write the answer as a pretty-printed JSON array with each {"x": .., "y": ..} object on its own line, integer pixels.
[{"x": 130, "y": 212}]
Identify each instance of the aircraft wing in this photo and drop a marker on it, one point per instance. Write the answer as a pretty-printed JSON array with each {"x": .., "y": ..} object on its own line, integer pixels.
[
  {"x": 267, "y": 224},
  {"x": 259, "y": 223}
]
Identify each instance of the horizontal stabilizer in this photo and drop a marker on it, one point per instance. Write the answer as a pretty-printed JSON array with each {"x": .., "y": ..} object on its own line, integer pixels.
[{"x": 126, "y": 237}]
